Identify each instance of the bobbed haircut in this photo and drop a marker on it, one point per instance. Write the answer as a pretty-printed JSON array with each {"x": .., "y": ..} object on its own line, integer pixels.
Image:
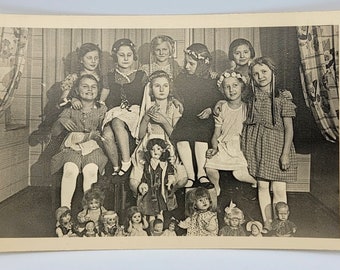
[{"x": 238, "y": 42}]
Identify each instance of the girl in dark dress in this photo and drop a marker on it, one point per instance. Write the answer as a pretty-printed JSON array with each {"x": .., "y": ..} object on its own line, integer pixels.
[{"x": 198, "y": 92}]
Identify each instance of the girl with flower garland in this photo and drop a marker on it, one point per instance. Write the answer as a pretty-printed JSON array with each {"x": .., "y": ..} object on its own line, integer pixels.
[
  {"x": 162, "y": 50},
  {"x": 123, "y": 98},
  {"x": 226, "y": 153},
  {"x": 198, "y": 93}
]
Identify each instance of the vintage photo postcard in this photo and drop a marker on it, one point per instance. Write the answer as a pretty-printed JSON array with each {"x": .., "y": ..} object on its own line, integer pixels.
[{"x": 207, "y": 131}]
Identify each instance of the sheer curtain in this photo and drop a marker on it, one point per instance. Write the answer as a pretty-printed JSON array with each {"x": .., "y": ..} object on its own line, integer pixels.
[
  {"x": 319, "y": 55},
  {"x": 12, "y": 59}
]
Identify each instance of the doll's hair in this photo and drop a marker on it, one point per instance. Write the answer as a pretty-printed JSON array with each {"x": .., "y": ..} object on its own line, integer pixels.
[
  {"x": 235, "y": 213},
  {"x": 161, "y": 74},
  {"x": 123, "y": 42},
  {"x": 129, "y": 214},
  {"x": 151, "y": 143},
  {"x": 109, "y": 214},
  {"x": 281, "y": 205},
  {"x": 200, "y": 53},
  {"x": 193, "y": 196},
  {"x": 160, "y": 39},
  {"x": 93, "y": 193},
  {"x": 238, "y": 42},
  {"x": 61, "y": 212},
  {"x": 157, "y": 221},
  {"x": 86, "y": 48},
  {"x": 173, "y": 221}
]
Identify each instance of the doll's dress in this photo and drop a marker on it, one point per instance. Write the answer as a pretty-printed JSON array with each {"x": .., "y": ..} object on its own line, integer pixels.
[
  {"x": 230, "y": 231},
  {"x": 196, "y": 224},
  {"x": 283, "y": 228},
  {"x": 137, "y": 230},
  {"x": 167, "y": 232}
]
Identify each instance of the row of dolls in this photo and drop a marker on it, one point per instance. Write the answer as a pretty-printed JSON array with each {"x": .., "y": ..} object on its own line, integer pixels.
[
  {"x": 94, "y": 220},
  {"x": 108, "y": 110}
]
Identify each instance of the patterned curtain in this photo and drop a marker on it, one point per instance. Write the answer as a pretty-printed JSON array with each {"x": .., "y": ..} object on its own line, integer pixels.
[
  {"x": 12, "y": 59},
  {"x": 319, "y": 51}
]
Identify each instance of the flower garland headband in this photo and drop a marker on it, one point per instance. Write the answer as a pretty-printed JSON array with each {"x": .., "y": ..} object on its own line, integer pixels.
[
  {"x": 232, "y": 74},
  {"x": 197, "y": 56}
]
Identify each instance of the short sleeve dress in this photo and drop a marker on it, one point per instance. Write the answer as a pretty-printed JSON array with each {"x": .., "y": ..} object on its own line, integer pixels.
[{"x": 262, "y": 141}]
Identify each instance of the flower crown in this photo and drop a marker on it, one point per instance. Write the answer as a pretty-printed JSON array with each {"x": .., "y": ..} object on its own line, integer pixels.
[
  {"x": 197, "y": 56},
  {"x": 232, "y": 74}
]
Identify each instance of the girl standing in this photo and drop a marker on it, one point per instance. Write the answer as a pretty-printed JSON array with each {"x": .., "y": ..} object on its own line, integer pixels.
[
  {"x": 123, "y": 98},
  {"x": 80, "y": 150},
  {"x": 267, "y": 137},
  {"x": 162, "y": 57},
  {"x": 198, "y": 93},
  {"x": 226, "y": 153}
]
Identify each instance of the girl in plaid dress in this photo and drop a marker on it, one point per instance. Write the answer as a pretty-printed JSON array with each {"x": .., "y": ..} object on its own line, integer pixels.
[{"x": 267, "y": 137}]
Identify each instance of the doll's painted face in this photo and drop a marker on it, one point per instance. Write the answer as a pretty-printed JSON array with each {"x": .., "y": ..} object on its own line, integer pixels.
[
  {"x": 191, "y": 65},
  {"x": 94, "y": 204},
  {"x": 136, "y": 218},
  {"x": 235, "y": 222},
  {"x": 90, "y": 227},
  {"x": 255, "y": 230},
  {"x": 110, "y": 219},
  {"x": 158, "y": 227},
  {"x": 162, "y": 52},
  {"x": 66, "y": 221},
  {"x": 232, "y": 88},
  {"x": 283, "y": 213},
  {"x": 90, "y": 60},
  {"x": 262, "y": 75},
  {"x": 156, "y": 151},
  {"x": 88, "y": 89},
  {"x": 125, "y": 57},
  {"x": 242, "y": 55},
  {"x": 160, "y": 88},
  {"x": 203, "y": 203},
  {"x": 172, "y": 227}
]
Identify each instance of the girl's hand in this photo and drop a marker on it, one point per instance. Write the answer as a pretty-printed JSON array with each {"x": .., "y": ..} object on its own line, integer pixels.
[
  {"x": 76, "y": 104},
  {"x": 284, "y": 162},
  {"x": 218, "y": 107},
  {"x": 211, "y": 152},
  {"x": 204, "y": 114},
  {"x": 95, "y": 135},
  {"x": 143, "y": 189},
  {"x": 157, "y": 117},
  {"x": 178, "y": 105},
  {"x": 286, "y": 94},
  {"x": 68, "y": 124}
]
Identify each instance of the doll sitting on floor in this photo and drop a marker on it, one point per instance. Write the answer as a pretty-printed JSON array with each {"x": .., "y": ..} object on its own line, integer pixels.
[
  {"x": 255, "y": 228},
  {"x": 171, "y": 231},
  {"x": 110, "y": 224},
  {"x": 64, "y": 226},
  {"x": 233, "y": 218},
  {"x": 157, "y": 226},
  {"x": 90, "y": 229},
  {"x": 281, "y": 226}
]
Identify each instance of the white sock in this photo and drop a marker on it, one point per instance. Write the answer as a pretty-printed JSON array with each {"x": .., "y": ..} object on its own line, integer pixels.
[{"x": 125, "y": 167}]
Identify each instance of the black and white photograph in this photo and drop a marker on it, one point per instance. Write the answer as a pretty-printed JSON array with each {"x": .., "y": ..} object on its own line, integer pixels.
[{"x": 211, "y": 134}]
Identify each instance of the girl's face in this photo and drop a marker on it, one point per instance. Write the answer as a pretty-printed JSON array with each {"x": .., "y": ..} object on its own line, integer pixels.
[
  {"x": 94, "y": 204},
  {"x": 255, "y": 230},
  {"x": 162, "y": 52},
  {"x": 203, "y": 203},
  {"x": 90, "y": 61},
  {"x": 232, "y": 88},
  {"x": 191, "y": 65},
  {"x": 241, "y": 55},
  {"x": 160, "y": 88},
  {"x": 234, "y": 222},
  {"x": 125, "y": 57},
  {"x": 262, "y": 75},
  {"x": 88, "y": 89},
  {"x": 156, "y": 151},
  {"x": 136, "y": 218}
]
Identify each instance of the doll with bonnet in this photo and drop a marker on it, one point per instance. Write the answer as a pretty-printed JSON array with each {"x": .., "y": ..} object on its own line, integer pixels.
[{"x": 255, "y": 228}]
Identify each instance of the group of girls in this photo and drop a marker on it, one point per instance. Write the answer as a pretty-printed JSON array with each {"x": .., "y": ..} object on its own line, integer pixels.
[{"x": 188, "y": 126}]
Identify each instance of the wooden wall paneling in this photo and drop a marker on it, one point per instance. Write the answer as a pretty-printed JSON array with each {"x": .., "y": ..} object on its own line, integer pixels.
[
  {"x": 92, "y": 35},
  {"x": 107, "y": 40},
  {"x": 62, "y": 51},
  {"x": 143, "y": 39}
]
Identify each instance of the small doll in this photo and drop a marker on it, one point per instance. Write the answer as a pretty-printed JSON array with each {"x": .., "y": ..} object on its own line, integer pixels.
[
  {"x": 157, "y": 226},
  {"x": 92, "y": 208},
  {"x": 281, "y": 226},
  {"x": 136, "y": 223},
  {"x": 255, "y": 228},
  {"x": 233, "y": 218},
  {"x": 109, "y": 224},
  {"x": 90, "y": 229},
  {"x": 202, "y": 221},
  {"x": 64, "y": 226},
  {"x": 171, "y": 229},
  {"x": 156, "y": 190}
]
